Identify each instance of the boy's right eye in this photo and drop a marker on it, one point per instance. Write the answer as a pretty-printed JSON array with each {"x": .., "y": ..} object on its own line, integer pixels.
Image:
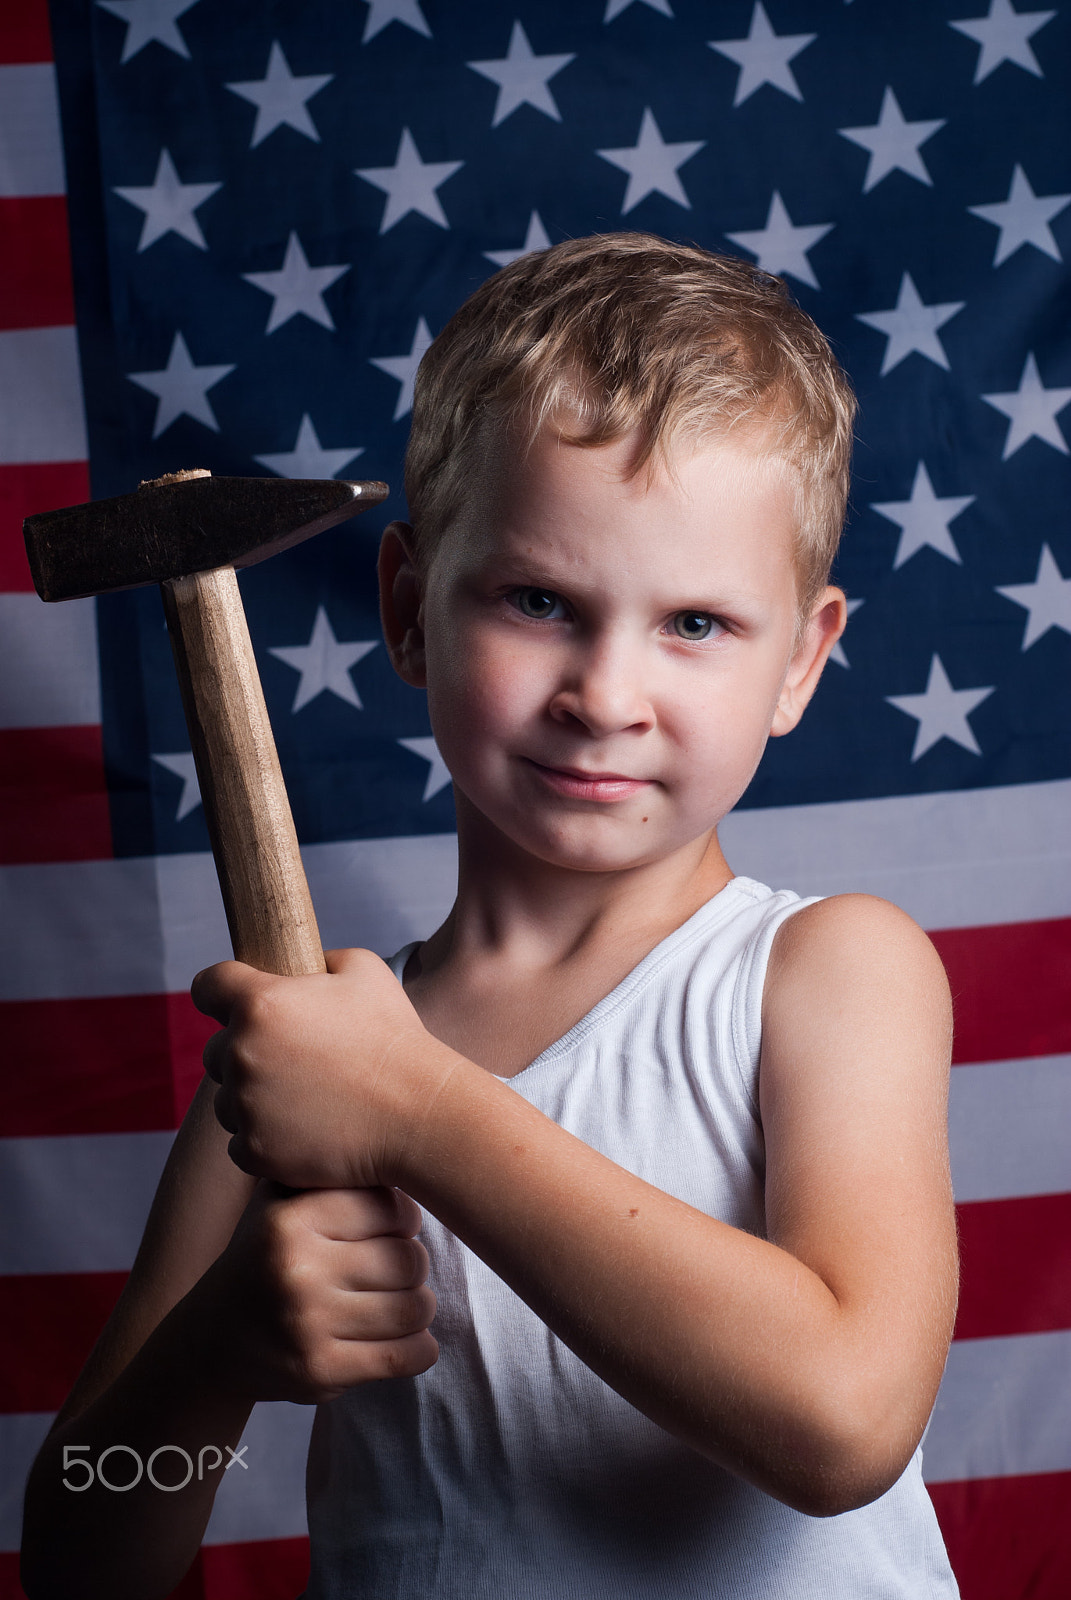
[{"x": 540, "y": 604}]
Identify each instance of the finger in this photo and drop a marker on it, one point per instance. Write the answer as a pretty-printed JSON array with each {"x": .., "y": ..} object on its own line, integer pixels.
[
  {"x": 349, "y": 1215},
  {"x": 224, "y": 1107},
  {"x": 359, "y": 1361},
  {"x": 214, "y": 1054},
  {"x": 217, "y": 990},
  {"x": 379, "y": 1265},
  {"x": 243, "y": 1158},
  {"x": 387, "y": 1314}
]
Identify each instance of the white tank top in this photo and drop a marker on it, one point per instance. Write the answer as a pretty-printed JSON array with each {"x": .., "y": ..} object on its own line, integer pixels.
[{"x": 509, "y": 1471}]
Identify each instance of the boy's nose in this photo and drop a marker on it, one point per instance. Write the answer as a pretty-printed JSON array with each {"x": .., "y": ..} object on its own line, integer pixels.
[{"x": 602, "y": 689}]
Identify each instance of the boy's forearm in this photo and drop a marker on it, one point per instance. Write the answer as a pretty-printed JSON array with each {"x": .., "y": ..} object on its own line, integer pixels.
[
  {"x": 95, "y": 1542},
  {"x": 724, "y": 1339}
]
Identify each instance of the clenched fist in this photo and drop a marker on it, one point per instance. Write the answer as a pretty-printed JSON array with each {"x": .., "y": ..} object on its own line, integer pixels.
[
  {"x": 319, "y": 1291},
  {"x": 323, "y": 1079}
]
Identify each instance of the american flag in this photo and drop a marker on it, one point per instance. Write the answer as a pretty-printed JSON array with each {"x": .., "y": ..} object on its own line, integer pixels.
[{"x": 269, "y": 207}]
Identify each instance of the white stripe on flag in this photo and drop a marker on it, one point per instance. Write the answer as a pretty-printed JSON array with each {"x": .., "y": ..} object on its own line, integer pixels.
[
  {"x": 70, "y": 930},
  {"x": 1004, "y": 1410},
  {"x": 953, "y": 860},
  {"x": 31, "y": 149},
  {"x": 377, "y": 893},
  {"x": 41, "y": 415},
  {"x": 1008, "y": 1125},
  {"x": 78, "y": 1203},
  {"x": 21, "y": 1434},
  {"x": 1006, "y": 858},
  {"x": 268, "y": 1500},
  {"x": 49, "y": 670}
]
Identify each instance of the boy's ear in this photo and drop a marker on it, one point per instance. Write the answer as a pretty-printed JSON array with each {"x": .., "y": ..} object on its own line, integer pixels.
[
  {"x": 823, "y": 628},
  {"x": 401, "y": 604}
]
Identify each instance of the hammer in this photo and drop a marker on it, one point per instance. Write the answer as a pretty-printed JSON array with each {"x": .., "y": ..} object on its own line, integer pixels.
[{"x": 188, "y": 532}]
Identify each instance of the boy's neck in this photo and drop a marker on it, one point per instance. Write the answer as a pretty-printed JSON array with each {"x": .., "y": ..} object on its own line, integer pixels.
[{"x": 514, "y": 907}]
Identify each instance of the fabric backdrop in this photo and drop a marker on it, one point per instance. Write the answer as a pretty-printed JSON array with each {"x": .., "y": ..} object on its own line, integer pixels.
[{"x": 272, "y": 206}]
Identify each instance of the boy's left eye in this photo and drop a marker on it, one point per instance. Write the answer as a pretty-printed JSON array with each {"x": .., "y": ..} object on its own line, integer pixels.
[
  {"x": 694, "y": 625},
  {"x": 539, "y": 604}
]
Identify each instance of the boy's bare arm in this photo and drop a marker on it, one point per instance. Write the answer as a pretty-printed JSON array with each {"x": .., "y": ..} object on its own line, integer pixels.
[
  {"x": 808, "y": 1362},
  {"x": 95, "y": 1542},
  {"x": 231, "y": 1299}
]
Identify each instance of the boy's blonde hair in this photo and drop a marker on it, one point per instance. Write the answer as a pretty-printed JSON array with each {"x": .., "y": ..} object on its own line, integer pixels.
[{"x": 601, "y": 336}]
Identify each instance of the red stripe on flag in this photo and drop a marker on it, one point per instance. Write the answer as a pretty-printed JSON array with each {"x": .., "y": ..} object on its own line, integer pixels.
[
  {"x": 24, "y": 489},
  {"x": 10, "y": 1587},
  {"x": 1011, "y": 988},
  {"x": 53, "y": 797},
  {"x": 35, "y": 263},
  {"x": 271, "y": 1569},
  {"x": 49, "y": 1323},
  {"x": 112, "y": 1065},
  {"x": 1016, "y": 1266},
  {"x": 1008, "y": 1538},
  {"x": 24, "y": 34}
]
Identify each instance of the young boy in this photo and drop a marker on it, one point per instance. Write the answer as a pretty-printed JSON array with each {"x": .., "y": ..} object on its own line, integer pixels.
[{"x": 678, "y": 1139}]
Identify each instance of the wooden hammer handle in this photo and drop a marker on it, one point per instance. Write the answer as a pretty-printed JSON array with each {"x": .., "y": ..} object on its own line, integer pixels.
[{"x": 265, "y": 893}]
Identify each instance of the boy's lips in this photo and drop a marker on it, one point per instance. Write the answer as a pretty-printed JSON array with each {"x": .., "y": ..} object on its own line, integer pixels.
[{"x": 580, "y": 785}]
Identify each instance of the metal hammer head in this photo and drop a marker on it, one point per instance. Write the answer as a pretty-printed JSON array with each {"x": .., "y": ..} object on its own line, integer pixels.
[{"x": 184, "y": 523}]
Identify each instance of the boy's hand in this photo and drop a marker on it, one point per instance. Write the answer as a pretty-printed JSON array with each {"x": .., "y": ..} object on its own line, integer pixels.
[
  {"x": 319, "y": 1291},
  {"x": 320, "y": 1077}
]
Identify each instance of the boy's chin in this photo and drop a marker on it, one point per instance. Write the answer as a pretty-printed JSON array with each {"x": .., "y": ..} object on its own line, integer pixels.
[{"x": 603, "y": 847}]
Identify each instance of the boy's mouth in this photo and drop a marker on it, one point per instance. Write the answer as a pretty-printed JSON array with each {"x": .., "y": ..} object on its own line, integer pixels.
[{"x": 577, "y": 784}]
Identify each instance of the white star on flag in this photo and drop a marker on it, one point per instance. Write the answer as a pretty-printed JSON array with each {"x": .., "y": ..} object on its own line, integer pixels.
[
  {"x": 614, "y": 8},
  {"x": 280, "y": 98},
  {"x": 837, "y": 652},
  {"x": 181, "y": 388},
  {"x": 893, "y": 143},
  {"x": 522, "y": 78},
  {"x": 941, "y": 712},
  {"x": 1033, "y": 410},
  {"x": 911, "y": 326},
  {"x": 1047, "y": 600},
  {"x": 296, "y": 287},
  {"x": 535, "y": 239},
  {"x": 1023, "y": 218},
  {"x": 652, "y": 164},
  {"x": 324, "y": 663},
  {"x": 147, "y": 20},
  {"x": 383, "y": 12},
  {"x": 781, "y": 246},
  {"x": 308, "y": 458},
  {"x": 923, "y": 520},
  {"x": 438, "y": 774},
  {"x": 1004, "y": 35},
  {"x": 764, "y": 56},
  {"x": 410, "y": 184},
  {"x": 168, "y": 205},
  {"x": 404, "y": 368},
  {"x": 183, "y": 766}
]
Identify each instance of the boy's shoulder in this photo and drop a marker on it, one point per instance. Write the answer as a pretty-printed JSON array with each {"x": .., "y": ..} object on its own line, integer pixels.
[
  {"x": 850, "y": 950},
  {"x": 852, "y": 926}
]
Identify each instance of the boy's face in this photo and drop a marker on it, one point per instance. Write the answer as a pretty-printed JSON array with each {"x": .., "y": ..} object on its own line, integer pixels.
[{"x": 606, "y": 655}]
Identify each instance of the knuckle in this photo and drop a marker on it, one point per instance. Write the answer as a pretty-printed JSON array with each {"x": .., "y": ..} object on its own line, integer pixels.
[{"x": 414, "y": 1309}]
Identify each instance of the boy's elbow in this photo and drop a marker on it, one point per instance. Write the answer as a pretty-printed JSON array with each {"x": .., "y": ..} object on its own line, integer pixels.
[{"x": 847, "y": 1465}]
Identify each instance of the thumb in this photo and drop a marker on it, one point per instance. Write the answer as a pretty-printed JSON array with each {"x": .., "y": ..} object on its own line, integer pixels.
[
  {"x": 353, "y": 963},
  {"x": 217, "y": 990}
]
